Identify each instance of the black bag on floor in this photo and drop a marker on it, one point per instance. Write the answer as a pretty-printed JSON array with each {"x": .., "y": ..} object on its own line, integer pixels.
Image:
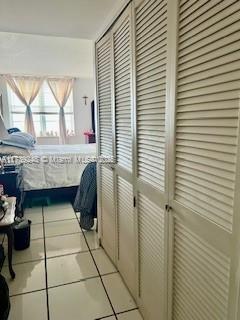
[{"x": 4, "y": 299}]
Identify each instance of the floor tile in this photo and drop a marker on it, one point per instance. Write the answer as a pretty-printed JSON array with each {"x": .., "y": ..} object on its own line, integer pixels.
[
  {"x": 70, "y": 268},
  {"x": 34, "y": 252},
  {"x": 29, "y": 277},
  {"x": 131, "y": 315},
  {"x": 58, "y": 206},
  {"x": 36, "y": 231},
  {"x": 29, "y": 306},
  {"x": 61, "y": 228},
  {"x": 85, "y": 300},
  {"x": 118, "y": 293},
  {"x": 92, "y": 239},
  {"x": 57, "y": 212},
  {"x": 67, "y": 244},
  {"x": 34, "y": 214},
  {"x": 109, "y": 318},
  {"x": 104, "y": 264}
]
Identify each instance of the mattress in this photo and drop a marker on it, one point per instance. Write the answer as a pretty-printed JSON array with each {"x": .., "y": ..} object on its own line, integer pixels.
[{"x": 56, "y": 166}]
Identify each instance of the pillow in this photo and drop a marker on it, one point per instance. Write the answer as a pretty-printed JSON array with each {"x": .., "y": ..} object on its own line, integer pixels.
[
  {"x": 20, "y": 139},
  {"x": 11, "y": 130},
  {"x": 14, "y": 151}
]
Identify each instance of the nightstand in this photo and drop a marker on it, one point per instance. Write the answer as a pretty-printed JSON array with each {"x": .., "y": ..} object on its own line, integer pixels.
[{"x": 13, "y": 186}]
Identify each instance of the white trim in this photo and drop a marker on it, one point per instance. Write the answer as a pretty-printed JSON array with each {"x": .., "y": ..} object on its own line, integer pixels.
[{"x": 110, "y": 23}]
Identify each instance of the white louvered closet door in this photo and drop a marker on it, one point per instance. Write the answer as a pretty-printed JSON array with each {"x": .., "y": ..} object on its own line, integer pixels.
[
  {"x": 205, "y": 166},
  {"x": 122, "y": 47},
  {"x": 106, "y": 207},
  {"x": 151, "y": 187}
]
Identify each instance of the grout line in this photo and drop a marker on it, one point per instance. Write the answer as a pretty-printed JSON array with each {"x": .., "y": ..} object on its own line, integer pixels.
[
  {"x": 105, "y": 317},
  {"x": 28, "y": 292},
  {"x": 45, "y": 262},
  {"x": 99, "y": 273},
  {"x": 59, "y": 220},
  {"x": 24, "y": 262},
  {"x": 73, "y": 282},
  {"x": 34, "y": 223},
  {"x": 126, "y": 311},
  {"x": 37, "y": 239},
  {"x": 64, "y": 234},
  {"x": 67, "y": 254}
]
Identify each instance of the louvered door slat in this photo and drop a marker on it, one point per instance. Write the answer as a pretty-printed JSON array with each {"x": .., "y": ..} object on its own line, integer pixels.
[
  {"x": 212, "y": 24},
  {"x": 103, "y": 56},
  {"x": 122, "y": 76},
  {"x": 205, "y": 12}
]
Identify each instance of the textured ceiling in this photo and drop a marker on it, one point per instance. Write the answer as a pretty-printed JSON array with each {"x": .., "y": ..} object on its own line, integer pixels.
[{"x": 65, "y": 18}]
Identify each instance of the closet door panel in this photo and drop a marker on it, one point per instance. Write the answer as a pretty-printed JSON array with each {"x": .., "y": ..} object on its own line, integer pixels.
[
  {"x": 123, "y": 103},
  {"x": 151, "y": 92},
  {"x": 126, "y": 235},
  {"x": 108, "y": 216},
  {"x": 151, "y": 235},
  {"x": 122, "y": 93},
  {"x": 201, "y": 277},
  {"x": 206, "y": 146},
  {"x": 106, "y": 206},
  {"x": 150, "y": 152},
  {"x": 104, "y": 96}
]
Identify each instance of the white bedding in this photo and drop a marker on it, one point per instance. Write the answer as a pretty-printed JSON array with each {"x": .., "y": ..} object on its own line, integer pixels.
[{"x": 56, "y": 166}]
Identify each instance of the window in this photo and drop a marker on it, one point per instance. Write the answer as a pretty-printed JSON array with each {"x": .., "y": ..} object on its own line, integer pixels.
[{"x": 45, "y": 112}]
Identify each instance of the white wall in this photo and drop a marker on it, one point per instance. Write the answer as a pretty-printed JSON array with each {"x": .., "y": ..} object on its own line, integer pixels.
[
  {"x": 54, "y": 56},
  {"x": 83, "y": 112}
]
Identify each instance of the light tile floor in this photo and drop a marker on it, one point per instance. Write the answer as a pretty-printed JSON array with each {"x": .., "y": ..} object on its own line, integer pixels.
[{"x": 65, "y": 274}]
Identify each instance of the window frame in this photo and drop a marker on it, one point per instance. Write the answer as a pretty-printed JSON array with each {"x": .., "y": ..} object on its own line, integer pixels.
[{"x": 42, "y": 113}]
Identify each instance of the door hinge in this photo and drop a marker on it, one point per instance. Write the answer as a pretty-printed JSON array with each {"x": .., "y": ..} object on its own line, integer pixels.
[
  {"x": 168, "y": 208},
  {"x": 134, "y": 202}
]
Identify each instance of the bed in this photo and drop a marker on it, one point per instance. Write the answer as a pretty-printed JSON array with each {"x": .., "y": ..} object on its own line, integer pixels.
[
  {"x": 47, "y": 170},
  {"x": 56, "y": 166}
]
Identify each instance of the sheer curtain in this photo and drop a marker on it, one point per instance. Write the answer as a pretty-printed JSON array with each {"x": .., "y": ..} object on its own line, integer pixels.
[
  {"x": 61, "y": 89},
  {"x": 3, "y": 130},
  {"x": 26, "y": 88}
]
